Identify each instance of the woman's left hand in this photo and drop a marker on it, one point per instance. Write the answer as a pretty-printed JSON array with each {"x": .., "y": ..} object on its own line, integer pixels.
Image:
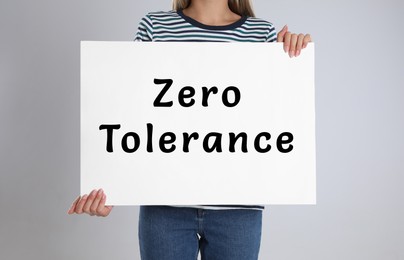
[{"x": 292, "y": 42}]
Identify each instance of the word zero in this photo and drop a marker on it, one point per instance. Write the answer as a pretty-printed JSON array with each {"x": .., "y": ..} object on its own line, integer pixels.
[{"x": 186, "y": 93}]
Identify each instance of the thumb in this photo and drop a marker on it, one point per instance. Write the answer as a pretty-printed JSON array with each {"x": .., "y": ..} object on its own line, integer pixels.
[{"x": 281, "y": 33}]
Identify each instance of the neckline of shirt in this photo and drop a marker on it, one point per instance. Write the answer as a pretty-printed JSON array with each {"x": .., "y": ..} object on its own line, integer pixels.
[{"x": 212, "y": 27}]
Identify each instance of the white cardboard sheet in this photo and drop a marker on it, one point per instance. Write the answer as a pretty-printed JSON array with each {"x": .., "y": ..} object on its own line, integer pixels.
[{"x": 276, "y": 96}]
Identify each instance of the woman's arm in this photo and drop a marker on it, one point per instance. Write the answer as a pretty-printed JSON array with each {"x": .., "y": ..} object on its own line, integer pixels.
[{"x": 293, "y": 43}]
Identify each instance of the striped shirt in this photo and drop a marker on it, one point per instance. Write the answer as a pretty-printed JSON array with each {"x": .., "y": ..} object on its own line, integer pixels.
[{"x": 174, "y": 26}]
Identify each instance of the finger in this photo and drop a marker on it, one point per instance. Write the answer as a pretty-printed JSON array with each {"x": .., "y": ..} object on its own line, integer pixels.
[
  {"x": 293, "y": 41},
  {"x": 90, "y": 199},
  {"x": 73, "y": 206},
  {"x": 306, "y": 40},
  {"x": 103, "y": 210},
  {"x": 108, "y": 210},
  {"x": 97, "y": 199},
  {"x": 80, "y": 204},
  {"x": 286, "y": 42},
  {"x": 299, "y": 44},
  {"x": 281, "y": 33}
]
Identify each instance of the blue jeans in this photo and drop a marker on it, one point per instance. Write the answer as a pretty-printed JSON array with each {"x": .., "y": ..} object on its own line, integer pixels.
[{"x": 174, "y": 233}]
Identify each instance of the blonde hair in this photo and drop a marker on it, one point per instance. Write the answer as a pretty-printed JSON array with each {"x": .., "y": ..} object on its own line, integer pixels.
[{"x": 240, "y": 7}]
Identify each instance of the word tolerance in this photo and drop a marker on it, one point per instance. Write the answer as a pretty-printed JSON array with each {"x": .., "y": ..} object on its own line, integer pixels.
[{"x": 211, "y": 142}]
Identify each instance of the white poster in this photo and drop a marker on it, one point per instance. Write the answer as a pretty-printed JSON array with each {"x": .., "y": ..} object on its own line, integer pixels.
[{"x": 197, "y": 123}]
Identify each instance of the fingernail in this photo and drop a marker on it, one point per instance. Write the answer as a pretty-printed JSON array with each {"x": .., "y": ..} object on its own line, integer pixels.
[
  {"x": 297, "y": 53},
  {"x": 84, "y": 197},
  {"x": 292, "y": 54},
  {"x": 286, "y": 49}
]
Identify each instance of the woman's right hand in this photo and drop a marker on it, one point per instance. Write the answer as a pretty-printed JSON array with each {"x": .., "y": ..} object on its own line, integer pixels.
[{"x": 93, "y": 204}]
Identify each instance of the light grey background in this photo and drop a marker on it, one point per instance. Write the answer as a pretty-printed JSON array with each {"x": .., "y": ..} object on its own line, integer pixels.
[{"x": 360, "y": 127}]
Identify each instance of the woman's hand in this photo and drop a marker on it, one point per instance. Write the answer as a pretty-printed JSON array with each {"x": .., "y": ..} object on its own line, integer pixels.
[
  {"x": 93, "y": 204},
  {"x": 293, "y": 43}
]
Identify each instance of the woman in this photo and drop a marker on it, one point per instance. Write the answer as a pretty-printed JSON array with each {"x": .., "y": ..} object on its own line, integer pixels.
[{"x": 219, "y": 231}]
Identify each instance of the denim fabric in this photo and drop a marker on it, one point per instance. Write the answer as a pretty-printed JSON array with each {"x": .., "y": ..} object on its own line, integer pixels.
[{"x": 173, "y": 233}]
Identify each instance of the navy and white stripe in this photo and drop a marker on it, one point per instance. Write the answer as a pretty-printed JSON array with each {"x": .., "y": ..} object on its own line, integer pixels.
[
  {"x": 218, "y": 207},
  {"x": 174, "y": 26}
]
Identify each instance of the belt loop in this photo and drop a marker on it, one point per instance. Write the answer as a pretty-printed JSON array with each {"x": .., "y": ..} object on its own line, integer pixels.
[{"x": 200, "y": 213}]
